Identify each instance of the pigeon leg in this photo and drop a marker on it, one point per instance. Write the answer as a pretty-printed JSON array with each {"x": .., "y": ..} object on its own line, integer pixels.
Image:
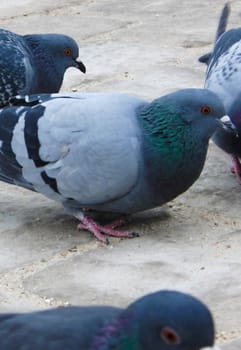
[
  {"x": 91, "y": 226},
  {"x": 98, "y": 230},
  {"x": 113, "y": 224},
  {"x": 116, "y": 223},
  {"x": 236, "y": 168}
]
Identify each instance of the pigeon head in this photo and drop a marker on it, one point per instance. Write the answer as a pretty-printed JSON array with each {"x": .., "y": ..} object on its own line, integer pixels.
[
  {"x": 192, "y": 110},
  {"x": 65, "y": 49},
  {"x": 165, "y": 320},
  {"x": 177, "y": 128},
  {"x": 203, "y": 111},
  {"x": 53, "y": 53}
]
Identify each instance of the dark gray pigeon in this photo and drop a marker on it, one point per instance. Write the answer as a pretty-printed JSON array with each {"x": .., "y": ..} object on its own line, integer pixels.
[
  {"x": 223, "y": 77},
  {"x": 32, "y": 64},
  {"x": 163, "y": 320},
  {"x": 222, "y": 25},
  {"x": 107, "y": 152}
]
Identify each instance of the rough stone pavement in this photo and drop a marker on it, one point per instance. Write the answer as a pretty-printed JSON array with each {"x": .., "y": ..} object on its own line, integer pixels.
[{"x": 148, "y": 48}]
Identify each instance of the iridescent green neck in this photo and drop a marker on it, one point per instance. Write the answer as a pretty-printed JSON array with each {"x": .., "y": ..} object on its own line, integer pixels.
[
  {"x": 172, "y": 149},
  {"x": 162, "y": 125},
  {"x": 164, "y": 135}
]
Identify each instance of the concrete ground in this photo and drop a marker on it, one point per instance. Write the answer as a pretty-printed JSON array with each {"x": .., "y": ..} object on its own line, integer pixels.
[{"x": 149, "y": 48}]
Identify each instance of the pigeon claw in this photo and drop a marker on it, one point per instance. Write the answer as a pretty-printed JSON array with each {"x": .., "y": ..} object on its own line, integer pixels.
[
  {"x": 99, "y": 230},
  {"x": 107, "y": 242},
  {"x": 134, "y": 234}
]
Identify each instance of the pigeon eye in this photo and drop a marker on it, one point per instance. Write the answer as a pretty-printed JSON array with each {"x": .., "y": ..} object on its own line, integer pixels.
[
  {"x": 67, "y": 51},
  {"x": 205, "y": 110},
  {"x": 170, "y": 336}
]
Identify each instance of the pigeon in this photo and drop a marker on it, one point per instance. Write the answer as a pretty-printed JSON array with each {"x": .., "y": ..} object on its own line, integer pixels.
[
  {"x": 158, "y": 321},
  {"x": 223, "y": 77},
  {"x": 222, "y": 25},
  {"x": 32, "y": 64},
  {"x": 107, "y": 152}
]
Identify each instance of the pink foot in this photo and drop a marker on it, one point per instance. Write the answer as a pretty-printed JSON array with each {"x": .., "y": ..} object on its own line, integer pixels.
[
  {"x": 116, "y": 223},
  {"x": 236, "y": 168},
  {"x": 113, "y": 224},
  {"x": 98, "y": 230}
]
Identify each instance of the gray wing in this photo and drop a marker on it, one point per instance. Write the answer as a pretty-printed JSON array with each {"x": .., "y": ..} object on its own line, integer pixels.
[
  {"x": 14, "y": 59},
  {"x": 84, "y": 147}
]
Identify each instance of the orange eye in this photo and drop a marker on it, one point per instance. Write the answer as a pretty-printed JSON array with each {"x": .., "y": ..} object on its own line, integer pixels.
[
  {"x": 170, "y": 336},
  {"x": 67, "y": 51},
  {"x": 205, "y": 110}
]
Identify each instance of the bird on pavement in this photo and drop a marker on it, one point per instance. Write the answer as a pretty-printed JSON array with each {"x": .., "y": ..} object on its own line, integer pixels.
[
  {"x": 35, "y": 63},
  {"x": 107, "y": 152},
  {"x": 158, "y": 321}
]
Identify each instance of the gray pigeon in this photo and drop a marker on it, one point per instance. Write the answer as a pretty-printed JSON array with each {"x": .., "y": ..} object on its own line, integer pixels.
[
  {"x": 223, "y": 77},
  {"x": 163, "y": 320},
  {"x": 107, "y": 152},
  {"x": 32, "y": 64}
]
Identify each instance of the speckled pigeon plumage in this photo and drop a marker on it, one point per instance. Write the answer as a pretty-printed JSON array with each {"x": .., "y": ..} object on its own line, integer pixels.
[
  {"x": 107, "y": 152},
  {"x": 223, "y": 77},
  {"x": 222, "y": 25},
  {"x": 159, "y": 321},
  {"x": 35, "y": 63}
]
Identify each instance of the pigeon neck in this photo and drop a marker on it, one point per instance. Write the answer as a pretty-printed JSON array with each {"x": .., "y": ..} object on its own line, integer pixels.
[
  {"x": 163, "y": 125},
  {"x": 165, "y": 132},
  {"x": 119, "y": 335},
  {"x": 48, "y": 77},
  {"x": 172, "y": 150}
]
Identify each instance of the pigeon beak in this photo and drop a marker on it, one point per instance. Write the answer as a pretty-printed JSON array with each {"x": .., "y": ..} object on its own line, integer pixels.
[
  {"x": 80, "y": 65},
  {"x": 228, "y": 126}
]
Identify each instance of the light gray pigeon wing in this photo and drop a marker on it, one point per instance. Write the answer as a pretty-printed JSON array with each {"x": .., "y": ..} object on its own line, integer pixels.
[{"x": 74, "y": 147}]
